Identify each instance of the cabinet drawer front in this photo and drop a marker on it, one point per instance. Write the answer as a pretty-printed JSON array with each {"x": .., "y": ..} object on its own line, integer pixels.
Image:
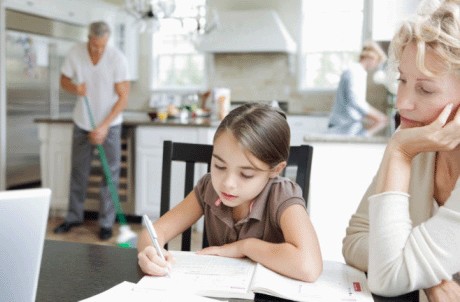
[{"x": 154, "y": 136}]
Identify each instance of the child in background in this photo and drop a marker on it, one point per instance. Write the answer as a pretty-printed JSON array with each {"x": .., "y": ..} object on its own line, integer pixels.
[{"x": 249, "y": 210}]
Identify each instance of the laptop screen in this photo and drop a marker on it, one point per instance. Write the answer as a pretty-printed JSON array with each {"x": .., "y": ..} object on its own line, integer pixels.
[{"x": 23, "y": 221}]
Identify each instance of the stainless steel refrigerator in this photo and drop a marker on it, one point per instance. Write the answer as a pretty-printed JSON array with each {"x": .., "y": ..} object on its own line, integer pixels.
[{"x": 35, "y": 49}]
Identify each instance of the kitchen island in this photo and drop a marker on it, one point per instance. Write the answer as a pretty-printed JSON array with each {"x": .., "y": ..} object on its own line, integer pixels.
[
  {"x": 142, "y": 151},
  {"x": 343, "y": 166}
]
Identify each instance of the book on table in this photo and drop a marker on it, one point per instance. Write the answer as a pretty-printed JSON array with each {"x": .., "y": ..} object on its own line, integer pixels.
[{"x": 221, "y": 277}]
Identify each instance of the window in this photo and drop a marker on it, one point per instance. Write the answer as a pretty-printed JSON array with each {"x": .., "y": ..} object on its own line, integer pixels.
[
  {"x": 331, "y": 39},
  {"x": 176, "y": 63}
]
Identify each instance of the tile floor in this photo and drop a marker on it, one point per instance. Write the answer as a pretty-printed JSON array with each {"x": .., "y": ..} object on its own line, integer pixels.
[
  {"x": 89, "y": 233},
  {"x": 86, "y": 233}
]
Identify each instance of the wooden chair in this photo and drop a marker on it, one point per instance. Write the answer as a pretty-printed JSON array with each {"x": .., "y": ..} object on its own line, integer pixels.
[
  {"x": 192, "y": 154},
  {"x": 301, "y": 157}
]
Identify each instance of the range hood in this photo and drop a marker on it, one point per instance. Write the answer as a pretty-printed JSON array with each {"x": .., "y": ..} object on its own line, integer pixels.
[{"x": 239, "y": 31}]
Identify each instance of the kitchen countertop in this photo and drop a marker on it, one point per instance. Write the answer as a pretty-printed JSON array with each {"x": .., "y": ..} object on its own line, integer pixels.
[
  {"x": 142, "y": 119},
  {"x": 355, "y": 133}
]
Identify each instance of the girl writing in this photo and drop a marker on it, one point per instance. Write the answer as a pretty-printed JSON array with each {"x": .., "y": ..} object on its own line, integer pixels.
[{"x": 249, "y": 210}]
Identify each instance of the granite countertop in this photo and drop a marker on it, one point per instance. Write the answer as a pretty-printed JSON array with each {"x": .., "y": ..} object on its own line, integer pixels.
[
  {"x": 131, "y": 118},
  {"x": 355, "y": 133}
]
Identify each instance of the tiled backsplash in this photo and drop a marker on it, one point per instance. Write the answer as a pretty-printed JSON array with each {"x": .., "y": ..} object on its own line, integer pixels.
[
  {"x": 268, "y": 76},
  {"x": 253, "y": 77},
  {"x": 259, "y": 77}
]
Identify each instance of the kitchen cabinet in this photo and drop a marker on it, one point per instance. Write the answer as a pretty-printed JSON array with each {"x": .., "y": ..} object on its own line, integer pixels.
[
  {"x": 55, "y": 161},
  {"x": 149, "y": 157},
  {"x": 55, "y": 146},
  {"x": 46, "y": 8},
  {"x": 63, "y": 10},
  {"x": 387, "y": 15}
]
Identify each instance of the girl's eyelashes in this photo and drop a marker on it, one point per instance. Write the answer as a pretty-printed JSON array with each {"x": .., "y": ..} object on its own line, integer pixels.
[
  {"x": 243, "y": 175},
  {"x": 246, "y": 176},
  {"x": 219, "y": 167}
]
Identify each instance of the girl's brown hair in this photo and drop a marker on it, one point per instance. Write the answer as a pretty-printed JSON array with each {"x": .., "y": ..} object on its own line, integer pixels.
[{"x": 261, "y": 129}]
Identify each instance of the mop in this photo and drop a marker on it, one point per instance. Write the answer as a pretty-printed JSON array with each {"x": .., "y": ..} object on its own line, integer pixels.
[{"x": 127, "y": 238}]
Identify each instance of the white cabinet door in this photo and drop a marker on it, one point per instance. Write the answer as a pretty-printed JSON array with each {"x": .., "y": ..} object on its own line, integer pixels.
[
  {"x": 76, "y": 12},
  {"x": 55, "y": 153},
  {"x": 387, "y": 16},
  {"x": 149, "y": 157}
]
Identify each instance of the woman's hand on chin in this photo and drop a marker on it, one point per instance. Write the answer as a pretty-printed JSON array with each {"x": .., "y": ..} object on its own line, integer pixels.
[{"x": 440, "y": 135}]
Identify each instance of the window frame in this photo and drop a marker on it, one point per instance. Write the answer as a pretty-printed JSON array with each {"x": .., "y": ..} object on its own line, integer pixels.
[
  {"x": 174, "y": 39},
  {"x": 301, "y": 56}
]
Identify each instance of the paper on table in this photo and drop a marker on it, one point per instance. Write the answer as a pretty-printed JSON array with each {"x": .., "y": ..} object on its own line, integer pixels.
[
  {"x": 222, "y": 277},
  {"x": 125, "y": 292},
  {"x": 206, "y": 275},
  {"x": 338, "y": 282}
]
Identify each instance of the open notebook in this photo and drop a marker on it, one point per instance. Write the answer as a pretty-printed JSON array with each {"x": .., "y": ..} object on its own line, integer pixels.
[
  {"x": 23, "y": 220},
  {"x": 221, "y": 277}
]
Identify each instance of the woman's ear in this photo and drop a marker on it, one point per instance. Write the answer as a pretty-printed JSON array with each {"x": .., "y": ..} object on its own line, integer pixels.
[{"x": 277, "y": 169}]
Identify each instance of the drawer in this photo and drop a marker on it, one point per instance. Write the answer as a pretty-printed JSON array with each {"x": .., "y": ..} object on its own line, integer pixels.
[{"x": 154, "y": 136}]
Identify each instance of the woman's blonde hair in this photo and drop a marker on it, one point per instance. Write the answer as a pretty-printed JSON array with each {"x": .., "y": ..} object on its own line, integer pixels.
[{"x": 437, "y": 28}]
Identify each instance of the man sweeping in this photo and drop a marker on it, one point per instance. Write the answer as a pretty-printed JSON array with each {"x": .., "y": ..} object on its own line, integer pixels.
[{"x": 98, "y": 72}]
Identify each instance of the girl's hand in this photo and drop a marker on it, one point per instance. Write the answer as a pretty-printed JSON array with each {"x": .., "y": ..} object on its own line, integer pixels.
[
  {"x": 446, "y": 291},
  {"x": 231, "y": 250},
  {"x": 152, "y": 264},
  {"x": 437, "y": 136}
]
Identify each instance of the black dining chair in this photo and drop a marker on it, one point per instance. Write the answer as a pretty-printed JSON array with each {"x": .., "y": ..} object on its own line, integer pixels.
[{"x": 193, "y": 154}]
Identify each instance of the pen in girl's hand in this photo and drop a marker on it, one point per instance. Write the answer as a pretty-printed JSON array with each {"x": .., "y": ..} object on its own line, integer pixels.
[{"x": 153, "y": 236}]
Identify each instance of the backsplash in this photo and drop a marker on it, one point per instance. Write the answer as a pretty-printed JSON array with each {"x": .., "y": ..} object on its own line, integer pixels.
[
  {"x": 271, "y": 76},
  {"x": 256, "y": 77},
  {"x": 252, "y": 77}
]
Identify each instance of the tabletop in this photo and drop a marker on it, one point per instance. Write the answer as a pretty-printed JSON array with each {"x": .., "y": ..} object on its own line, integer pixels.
[{"x": 75, "y": 271}]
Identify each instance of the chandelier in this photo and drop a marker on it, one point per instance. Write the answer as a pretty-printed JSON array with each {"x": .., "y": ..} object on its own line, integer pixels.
[
  {"x": 150, "y": 13},
  {"x": 150, "y": 9}
]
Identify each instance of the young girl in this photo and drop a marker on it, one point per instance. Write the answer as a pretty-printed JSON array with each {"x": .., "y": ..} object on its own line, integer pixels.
[
  {"x": 249, "y": 210},
  {"x": 406, "y": 231}
]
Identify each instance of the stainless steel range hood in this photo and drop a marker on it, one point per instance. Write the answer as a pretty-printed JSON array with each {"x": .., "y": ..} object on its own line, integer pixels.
[{"x": 241, "y": 31}]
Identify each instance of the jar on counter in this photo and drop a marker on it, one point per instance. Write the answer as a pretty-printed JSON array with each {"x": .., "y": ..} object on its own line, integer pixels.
[{"x": 221, "y": 100}]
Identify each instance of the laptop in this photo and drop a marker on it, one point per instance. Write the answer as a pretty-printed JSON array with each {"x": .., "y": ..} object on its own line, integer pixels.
[{"x": 23, "y": 221}]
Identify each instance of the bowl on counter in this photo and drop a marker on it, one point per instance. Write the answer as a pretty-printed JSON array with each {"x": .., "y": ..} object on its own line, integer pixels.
[{"x": 153, "y": 115}]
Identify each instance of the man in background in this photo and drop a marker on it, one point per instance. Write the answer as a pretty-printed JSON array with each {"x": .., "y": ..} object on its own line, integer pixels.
[
  {"x": 350, "y": 101},
  {"x": 98, "y": 72}
]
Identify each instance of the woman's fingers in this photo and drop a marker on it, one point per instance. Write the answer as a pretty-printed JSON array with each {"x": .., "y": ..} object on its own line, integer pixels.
[{"x": 444, "y": 116}]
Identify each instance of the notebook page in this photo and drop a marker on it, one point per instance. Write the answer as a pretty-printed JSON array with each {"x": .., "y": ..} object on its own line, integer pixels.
[
  {"x": 338, "y": 282},
  {"x": 211, "y": 276}
]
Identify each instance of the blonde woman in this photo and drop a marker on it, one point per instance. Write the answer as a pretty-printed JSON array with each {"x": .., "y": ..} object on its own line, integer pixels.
[{"x": 406, "y": 231}]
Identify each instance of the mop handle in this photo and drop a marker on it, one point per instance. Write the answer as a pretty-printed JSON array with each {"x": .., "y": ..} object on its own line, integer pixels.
[{"x": 106, "y": 170}]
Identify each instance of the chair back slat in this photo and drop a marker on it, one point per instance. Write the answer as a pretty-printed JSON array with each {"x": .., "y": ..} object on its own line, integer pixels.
[{"x": 190, "y": 154}]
